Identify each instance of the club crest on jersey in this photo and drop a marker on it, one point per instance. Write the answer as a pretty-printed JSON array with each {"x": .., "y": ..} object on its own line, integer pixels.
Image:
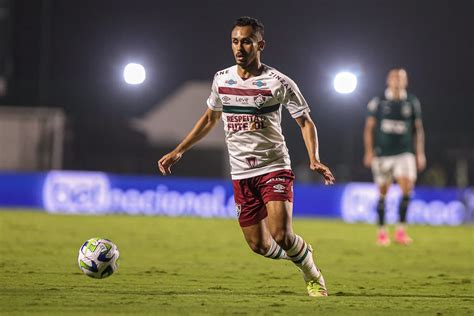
[
  {"x": 252, "y": 161},
  {"x": 238, "y": 209},
  {"x": 406, "y": 109},
  {"x": 259, "y": 83},
  {"x": 231, "y": 82},
  {"x": 279, "y": 188},
  {"x": 259, "y": 100}
]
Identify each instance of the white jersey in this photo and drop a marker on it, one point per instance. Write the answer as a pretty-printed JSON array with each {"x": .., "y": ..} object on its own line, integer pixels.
[{"x": 252, "y": 118}]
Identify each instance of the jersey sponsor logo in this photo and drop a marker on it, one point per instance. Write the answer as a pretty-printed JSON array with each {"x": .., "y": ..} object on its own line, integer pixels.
[
  {"x": 243, "y": 122},
  {"x": 283, "y": 82},
  {"x": 406, "y": 109},
  {"x": 252, "y": 161},
  {"x": 386, "y": 109},
  {"x": 242, "y": 100},
  {"x": 259, "y": 100},
  {"x": 259, "y": 83},
  {"x": 231, "y": 82},
  {"x": 393, "y": 127},
  {"x": 279, "y": 188},
  {"x": 225, "y": 100},
  {"x": 222, "y": 72}
]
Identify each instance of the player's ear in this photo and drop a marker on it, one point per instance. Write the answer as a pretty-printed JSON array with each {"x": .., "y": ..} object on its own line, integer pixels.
[{"x": 261, "y": 45}]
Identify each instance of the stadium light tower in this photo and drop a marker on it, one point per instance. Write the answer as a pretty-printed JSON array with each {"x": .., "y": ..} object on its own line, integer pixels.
[
  {"x": 345, "y": 82},
  {"x": 134, "y": 74}
]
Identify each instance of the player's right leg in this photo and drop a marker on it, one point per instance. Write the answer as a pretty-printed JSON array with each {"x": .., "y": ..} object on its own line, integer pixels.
[
  {"x": 260, "y": 240},
  {"x": 405, "y": 175},
  {"x": 383, "y": 238},
  {"x": 252, "y": 213}
]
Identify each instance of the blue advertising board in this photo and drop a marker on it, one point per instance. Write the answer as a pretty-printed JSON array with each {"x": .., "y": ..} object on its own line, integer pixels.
[{"x": 101, "y": 193}]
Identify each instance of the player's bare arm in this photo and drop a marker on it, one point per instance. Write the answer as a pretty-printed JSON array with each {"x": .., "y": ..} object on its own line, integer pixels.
[
  {"x": 420, "y": 145},
  {"x": 202, "y": 127},
  {"x": 310, "y": 136},
  {"x": 369, "y": 141}
]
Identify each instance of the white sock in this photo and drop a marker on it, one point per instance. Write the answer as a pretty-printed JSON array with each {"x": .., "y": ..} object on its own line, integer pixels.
[
  {"x": 302, "y": 257},
  {"x": 275, "y": 251}
]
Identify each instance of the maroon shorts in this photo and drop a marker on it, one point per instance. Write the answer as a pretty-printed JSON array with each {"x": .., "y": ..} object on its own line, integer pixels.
[{"x": 252, "y": 194}]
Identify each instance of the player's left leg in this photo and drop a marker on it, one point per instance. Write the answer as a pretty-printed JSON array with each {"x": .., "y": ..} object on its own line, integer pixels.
[
  {"x": 405, "y": 175},
  {"x": 280, "y": 225},
  {"x": 406, "y": 186}
]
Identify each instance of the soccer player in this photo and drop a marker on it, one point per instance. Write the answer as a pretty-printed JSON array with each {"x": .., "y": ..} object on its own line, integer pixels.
[
  {"x": 249, "y": 97},
  {"x": 394, "y": 148}
]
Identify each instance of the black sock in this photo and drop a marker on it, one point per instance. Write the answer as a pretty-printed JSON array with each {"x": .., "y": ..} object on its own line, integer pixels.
[
  {"x": 403, "y": 207},
  {"x": 381, "y": 211}
]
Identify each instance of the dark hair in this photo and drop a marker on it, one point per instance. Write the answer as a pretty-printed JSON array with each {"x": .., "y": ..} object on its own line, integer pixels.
[{"x": 256, "y": 25}]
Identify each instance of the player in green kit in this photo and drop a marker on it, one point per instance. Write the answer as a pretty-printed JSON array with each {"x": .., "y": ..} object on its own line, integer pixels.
[{"x": 394, "y": 148}]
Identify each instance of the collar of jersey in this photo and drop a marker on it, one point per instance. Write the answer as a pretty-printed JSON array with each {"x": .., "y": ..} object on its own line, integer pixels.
[
  {"x": 389, "y": 94},
  {"x": 265, "y": 68}
]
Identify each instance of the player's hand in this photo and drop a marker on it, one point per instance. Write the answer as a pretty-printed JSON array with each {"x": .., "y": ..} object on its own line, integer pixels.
[
  {"x": 368, "y": 157},
  {"x": 420, "y": 162},
  {"x": 165, "y": 163},
  {"x": 324, "y": 171}
]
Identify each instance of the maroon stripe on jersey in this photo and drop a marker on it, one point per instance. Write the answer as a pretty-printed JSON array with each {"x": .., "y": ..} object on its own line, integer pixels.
[{"x": 246, "y": 92}]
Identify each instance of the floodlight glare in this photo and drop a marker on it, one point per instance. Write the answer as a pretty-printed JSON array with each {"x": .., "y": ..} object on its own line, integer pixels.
[
  {"x": 134, "y": 73},
  {"x": 345, "y": 82}
]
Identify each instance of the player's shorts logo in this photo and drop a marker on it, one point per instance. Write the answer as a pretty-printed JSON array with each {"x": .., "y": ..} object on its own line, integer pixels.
[
  {"x": 279, "y": 188},
  {"x": 259, "y": 100},
  {"x": 275, "y": 179},
  {"x": 252, "y": 161}
]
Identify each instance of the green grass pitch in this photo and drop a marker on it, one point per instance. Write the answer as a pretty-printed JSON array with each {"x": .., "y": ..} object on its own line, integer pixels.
[{"x": 203, "y": 266}]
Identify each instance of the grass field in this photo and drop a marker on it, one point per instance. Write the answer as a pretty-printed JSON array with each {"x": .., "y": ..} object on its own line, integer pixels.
[{"x": 203, "y": 266}]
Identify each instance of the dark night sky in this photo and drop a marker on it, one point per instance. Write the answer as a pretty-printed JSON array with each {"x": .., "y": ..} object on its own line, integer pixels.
[{"x": 90, "y": 42}]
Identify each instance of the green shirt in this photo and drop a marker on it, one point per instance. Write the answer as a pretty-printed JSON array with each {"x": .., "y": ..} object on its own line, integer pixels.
[{"x": 395, "y": 120}]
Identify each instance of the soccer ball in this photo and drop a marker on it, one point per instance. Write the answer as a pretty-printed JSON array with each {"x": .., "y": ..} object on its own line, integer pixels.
[{"x": 98, "y": 258}]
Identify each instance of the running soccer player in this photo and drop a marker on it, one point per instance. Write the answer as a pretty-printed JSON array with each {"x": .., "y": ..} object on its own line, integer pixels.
[
  {"x": 249, "y": 97},
  {"x": 394, "y": 148}
]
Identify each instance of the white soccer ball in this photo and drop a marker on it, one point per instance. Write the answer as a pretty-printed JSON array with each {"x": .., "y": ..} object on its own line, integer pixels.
[{"x": 98, "y": 258}]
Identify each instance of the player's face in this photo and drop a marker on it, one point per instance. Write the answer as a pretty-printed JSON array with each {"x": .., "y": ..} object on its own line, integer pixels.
[
  {"x": 246, "y": 45},
  {"x": 397, "y": 79}
]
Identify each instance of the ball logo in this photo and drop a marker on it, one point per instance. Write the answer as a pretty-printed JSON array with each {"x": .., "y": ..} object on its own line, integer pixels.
[{"x": 84, "y": 192}]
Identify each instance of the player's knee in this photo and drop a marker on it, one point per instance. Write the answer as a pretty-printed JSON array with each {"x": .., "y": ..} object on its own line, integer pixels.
[
  {"x": 283, "y": 238},
  {"x": 259, "y": 246}
]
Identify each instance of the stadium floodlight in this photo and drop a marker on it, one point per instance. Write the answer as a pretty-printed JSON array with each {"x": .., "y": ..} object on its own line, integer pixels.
[
  {"x": 134, "y": 73},
  {"x": 345, "y": 82}
]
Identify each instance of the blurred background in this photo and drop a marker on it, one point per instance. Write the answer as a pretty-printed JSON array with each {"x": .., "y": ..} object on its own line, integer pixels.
[{"x": 64, "y": 103}]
